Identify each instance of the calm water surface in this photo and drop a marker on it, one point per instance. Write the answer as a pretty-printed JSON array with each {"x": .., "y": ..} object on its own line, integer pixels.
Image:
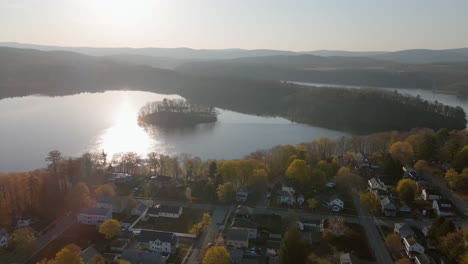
[{"x": 32, "y": 126}]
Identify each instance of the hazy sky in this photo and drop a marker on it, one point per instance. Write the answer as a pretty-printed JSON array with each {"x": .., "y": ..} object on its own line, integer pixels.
[{"x": 251, "y": 24}]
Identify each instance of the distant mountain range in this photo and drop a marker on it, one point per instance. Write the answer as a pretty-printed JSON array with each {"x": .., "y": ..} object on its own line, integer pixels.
[{"x": 414, "y": 56}]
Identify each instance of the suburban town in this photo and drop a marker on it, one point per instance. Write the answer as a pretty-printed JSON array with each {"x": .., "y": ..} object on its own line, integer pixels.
[{"x": 350, "y": 209}]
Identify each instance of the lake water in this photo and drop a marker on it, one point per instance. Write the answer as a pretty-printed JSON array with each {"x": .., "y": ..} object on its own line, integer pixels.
[{"x": 31, "y": 126}]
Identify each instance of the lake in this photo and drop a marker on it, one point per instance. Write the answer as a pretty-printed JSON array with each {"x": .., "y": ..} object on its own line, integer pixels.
[{"x": 34, "y": 125}]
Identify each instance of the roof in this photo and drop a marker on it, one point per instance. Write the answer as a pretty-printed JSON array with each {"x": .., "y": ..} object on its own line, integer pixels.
[
  {"x": 142, "y": 257},
  {"x": 332, "y": 198},
  {"x": 286, "y": 194},
  {"x": 403, "y": 228},
  {"x": 96, "y": 211},
  {"x": 272, "y": 244},
  {"x": 3, "y": 233},
  {"x": 237, "y": 235},
  {"x": 411, "y": 240},
  {"x": 88, "y": 253},
  {"x": 387, "y": 204},
  {"x": 244, "y": 210},
  {"x": 424, "y": 259},
  {"x": 243, "y": 223},
  {"x": 375, "y": 183},
  {"x": 141, "y": 206},
  {"x": 345, "y": 258},
  {"x": 151, "y": 235},
  {"x": 164, "y": 209}
]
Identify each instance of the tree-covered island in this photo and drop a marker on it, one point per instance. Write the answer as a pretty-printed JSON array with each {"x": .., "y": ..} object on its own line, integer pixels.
[{"x": 176, "y": 112}]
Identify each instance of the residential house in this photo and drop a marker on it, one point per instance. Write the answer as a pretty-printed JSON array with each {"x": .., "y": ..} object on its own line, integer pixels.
[
  {"x": 345, "y": 258},
  {"x": 244, "y": 211},
  {"x": 140, "y": 209},
  {"x": 403, "y": 230},
  {"x": 120, "y": 177},
  {"x": 388, "y": 207},
  {"x": 4, "y": 236},
  {"x": 119, "y": 245},
  {"x": 246, "y": 225},
  {"x": 237, "y": 238},
  {"x": 116, "y": 204},
  {"x": 89, "y": 253},
  {"x": 165, "y": 211},
  {"x": 287, "y": 197},
  {"x": 410, "y": 173},
  {"x": 412, "y": 247},
  {"x": 333, "y": 203},
  {"x": 273, "y": 248},
  {"x": 430, "y": 195},
  {"x": 20, "y": 223},
  {"x": 443, "y": 207},
  {"x": 94, "y": 216},
  {"x": 423, "y": 259},
  {"x": 288, "y": 189},
  {"x": 242, "y": 194},
  {"x": 161, "y": 181},
  {"x": 376, "y": 184},
  {"x": 300, "y": 199},
  {"x": 143, "y": 257},
  {"x": 157, "y": 241},
  {"x": 331, "y": 184},
  {"x": 379, "y": 193}
]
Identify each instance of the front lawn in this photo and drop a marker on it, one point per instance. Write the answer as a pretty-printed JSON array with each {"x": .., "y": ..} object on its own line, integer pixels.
[{"x": 189, "y": 217}]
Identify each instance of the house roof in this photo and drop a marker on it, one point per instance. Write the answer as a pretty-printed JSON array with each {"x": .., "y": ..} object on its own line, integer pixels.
[
  {"x": 237, "y": 235},
  {"x": 332, "y": 198},
  {"x": 141, "y": 206},
  {"x": 3, "y": 233},
  {"x": 164, "y": 209},
  {"x": 387, "y": 204},
  {"x": 244, "y": 210},
  {"x": 151, "y": 235},
  {"x": 243, "y": 223},
  {"x": 345, "y": 258},
  {"x": 403, "y": 228},
  {"x": 242, "y": 190},
  {"x": 96, "y": 211},
  {"x": 375, "y": 183},
  {"x": 431, "y": 192},
  {"x": 411, "y": 240},
  {"x": 286, "y": 194},
  {"x": 424, "y": 259},
  {"x": 142, "y": 257},
  {"x": 88, "y": 253}
]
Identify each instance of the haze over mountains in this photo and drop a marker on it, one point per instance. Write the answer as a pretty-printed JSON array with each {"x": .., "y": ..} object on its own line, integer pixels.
[{"x": 414, "y": 56}]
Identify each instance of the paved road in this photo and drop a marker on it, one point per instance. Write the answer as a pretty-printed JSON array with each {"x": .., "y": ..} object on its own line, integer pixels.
[
  {"x": 373, "y": 236},
  {"x": 437, "y": 181},
  {"x": 56, "y": 229}
]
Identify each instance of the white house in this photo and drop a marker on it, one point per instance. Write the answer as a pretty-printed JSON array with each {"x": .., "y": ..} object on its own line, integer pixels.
[
  {"x": 403, "y": 230},
  {"x": 412, "y": 246},
  {"x": 334, "y": 203},
  {"x": 20, "y": 223},
  {"x": 345, "y": 258},
  {"x": 143, "y": 257},
  {"x": 117, "y": 204},
  {"x": 376, "y": 184},
  {"x": 4, "y": 236},
  {"x": 288, "y": 189},
  {"x": 242, "y": 194},
  {"x": 94, "y": 216},
  {"x": 156, "y": 241},
  {"x": 165, "y": 211},
  {"x": 246, "y": 225},
  {"x": 430, "y": 195},
  {"x": 300, "y": 199},
  {"x": 287, "y": 197},
  {"x": 443, "y": 207}
]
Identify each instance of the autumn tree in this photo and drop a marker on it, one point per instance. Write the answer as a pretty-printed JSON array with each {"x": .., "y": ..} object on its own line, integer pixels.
[
  {"x": 299, "y": 171},
  {"x": 293, "y": 246},
  {"x": 452, "y": 245},
  {"x": 217, "y": 255},
  {"x": 107, "y": 189},
  {"x": 393, "y": 243},
  {"x": 349, "y": 182},
  {"x": 54, "y": 157},
  {"x": 406, "y": 189},
  {"x": 79, "y": 197},
  {"x": 201, "y": 226},
  {"x": 421, "y": 166},
  {"x": 460, "y": 160},
  {"x": 70, "y": 254},
  {"x": 370, "y": 202},
  {"x": 226, "y": 192},
  {"x": 314, "y": 259},
  {"x": 402, "y": 151},
  {"x": 318, "y": 179},
  {"x": 110, "y": 228},
  {"x": 313, "y": 203},
  {"x": 23, "y": 239},
  {"x": 343, "y": 171},
  {"x": 404, "y": 261}
]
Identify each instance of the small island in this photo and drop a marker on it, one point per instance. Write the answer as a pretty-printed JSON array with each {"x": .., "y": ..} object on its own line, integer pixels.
[{"x": 176, "y": 112}]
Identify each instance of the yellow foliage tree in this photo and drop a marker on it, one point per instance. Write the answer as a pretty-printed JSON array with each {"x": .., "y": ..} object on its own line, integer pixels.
[
  {"x": 70, "y": 254},
  {"x": 110, "y": 228},
  {"x": 370, "y": 202},
  {"x": 300, "y": 171},
  {"x": 406, "y": 188},
  {"x": 343, "y": 171},
  {"x": 217, "y": 255},
  {"x": 313, "y": 203},
  {"x": 107, "y": 189},
  {"x": 402, "y": 151}
]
